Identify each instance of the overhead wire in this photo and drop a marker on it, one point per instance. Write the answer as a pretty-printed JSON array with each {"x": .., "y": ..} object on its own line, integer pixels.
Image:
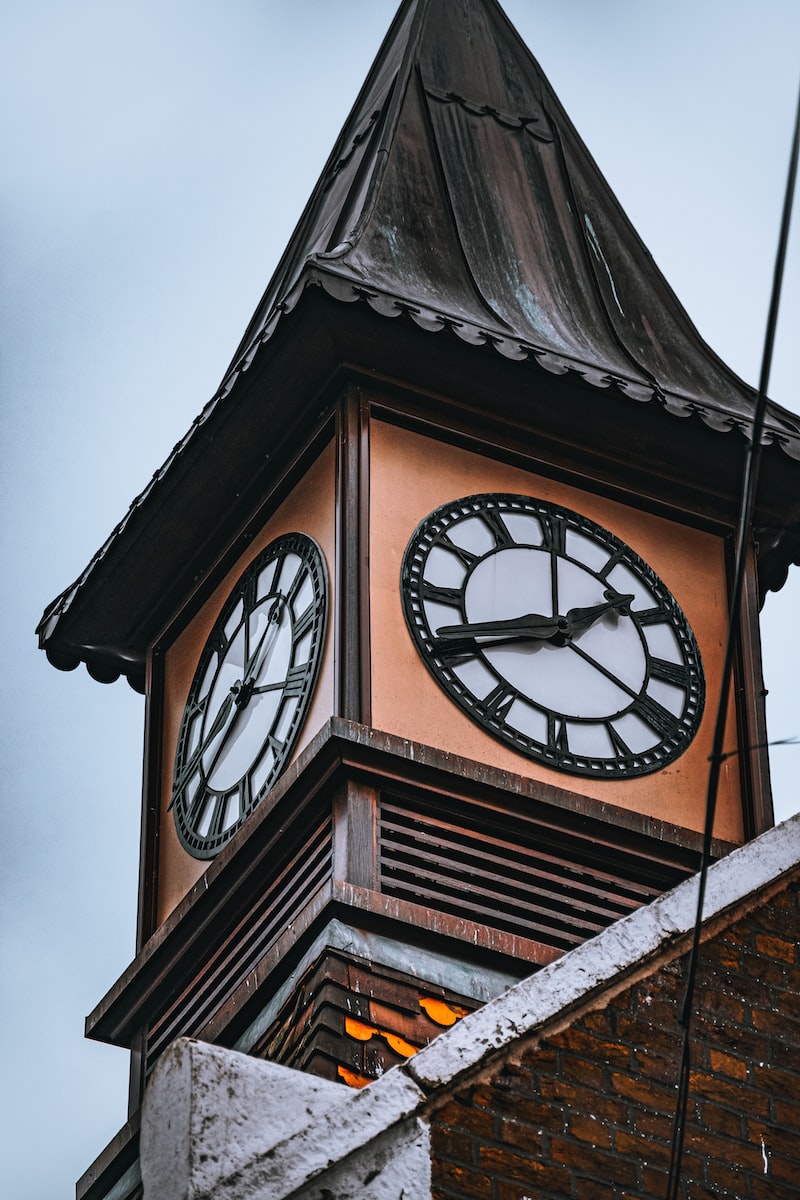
[{"x": 750, "y": 476}]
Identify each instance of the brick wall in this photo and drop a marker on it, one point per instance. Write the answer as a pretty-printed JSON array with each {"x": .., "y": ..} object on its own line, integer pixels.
[{"x": 588, "y": 1113}]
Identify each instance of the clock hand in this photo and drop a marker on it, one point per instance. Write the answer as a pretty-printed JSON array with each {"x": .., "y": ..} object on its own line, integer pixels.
[
  {"x": 529, "y": 625},
  {"x": 242, "y": 691},
  {"x": 261, "y": 653},
  {"x": 535, "y": 626},
  {"x": 236, "y": 709},
  {"x": 217, "y": 725},
  {"x": 581, "y": 619},
  {"x": 236, "y": 700},
  {"x": 260, "y": 656}
]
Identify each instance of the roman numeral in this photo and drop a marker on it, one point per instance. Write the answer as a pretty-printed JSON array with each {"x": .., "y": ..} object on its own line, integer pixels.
[
  {"x": 466, "y": 556},
  {"x": 612, "y": 562},
  {"x": 445, "y": 595},
  {"x": 274, "y": 744},
  {"x": 497, "y": 526},
  {"x": 194, "y": 807},
  {"x": 670, "y": 672},
  {"x": 557, "y": 735},
  {"x": 656, "y": 716},
  {"x": 246, "y": 796},
  {"x": 499, "y": 700},
  {"x": 215, "y": 828},
  {"x": 186, "y": 774},
  {"x": 303, "y": 623},
  {"x": 620, "y": 747},
  {"x": 249, "y": 593},
  {"x": 275, "y": 586},
  {"x": 554, "y": 533},
  {"x": 295, "y": 680},
  {"x": 652, "y": 616},
  {"x": 217, "y": 640},
  {"x": 196, "y": 707},
  {"x": 296, "y": 584}
]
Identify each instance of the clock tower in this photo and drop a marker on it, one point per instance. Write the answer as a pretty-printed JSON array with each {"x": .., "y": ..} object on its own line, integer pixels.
[{"x": 429, "y": 605}]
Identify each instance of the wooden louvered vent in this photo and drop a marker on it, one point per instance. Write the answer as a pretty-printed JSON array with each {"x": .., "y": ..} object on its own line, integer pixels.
[
  {"x": 557, "y": 887},
  {"x": 389, "y": 840},
  {"x": 288, "y": 891}
]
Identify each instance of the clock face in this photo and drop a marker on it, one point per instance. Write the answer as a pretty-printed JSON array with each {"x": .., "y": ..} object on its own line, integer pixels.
[
  {"x": 553, "y": 635},
  {"x": 250, "y": 694}
]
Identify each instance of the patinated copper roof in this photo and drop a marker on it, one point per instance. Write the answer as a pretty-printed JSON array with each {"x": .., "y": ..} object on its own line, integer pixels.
[
  {"x": 460, "y": 192},
  {"x": 459, "y": 196}
]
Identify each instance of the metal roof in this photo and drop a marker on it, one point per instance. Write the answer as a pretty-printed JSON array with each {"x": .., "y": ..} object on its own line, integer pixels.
[{"x": 460, "y": 195}]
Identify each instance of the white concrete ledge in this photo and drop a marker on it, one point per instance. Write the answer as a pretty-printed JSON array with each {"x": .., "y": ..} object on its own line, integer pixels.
[{"x": 216, "y": 1123}]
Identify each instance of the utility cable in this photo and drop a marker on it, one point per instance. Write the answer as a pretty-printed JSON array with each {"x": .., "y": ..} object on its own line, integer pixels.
[{"x": 748, "y": 493}]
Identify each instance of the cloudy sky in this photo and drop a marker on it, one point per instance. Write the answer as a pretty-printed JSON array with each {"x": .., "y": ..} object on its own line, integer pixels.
[{"x": 156, "y": 157}]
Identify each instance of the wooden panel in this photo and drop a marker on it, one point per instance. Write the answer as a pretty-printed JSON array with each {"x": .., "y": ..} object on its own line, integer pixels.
[
  {"x": 760, "y": 814},
  {"x": 350, "y": 1012},
  {"x": 355, "y": 810},
  {"x": 285, "y": 895},
  {"x": 352, "y": 559}
]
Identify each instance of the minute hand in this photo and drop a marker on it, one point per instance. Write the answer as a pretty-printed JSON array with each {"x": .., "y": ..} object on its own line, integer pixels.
[{"x": 529, "y": 625}]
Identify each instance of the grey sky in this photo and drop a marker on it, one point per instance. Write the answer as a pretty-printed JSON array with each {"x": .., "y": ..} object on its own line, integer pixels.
[{"x": 156, "y": 157}]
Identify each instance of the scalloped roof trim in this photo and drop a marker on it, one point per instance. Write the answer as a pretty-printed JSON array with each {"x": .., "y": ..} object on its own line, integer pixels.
[{"x": 350, "y": 291}]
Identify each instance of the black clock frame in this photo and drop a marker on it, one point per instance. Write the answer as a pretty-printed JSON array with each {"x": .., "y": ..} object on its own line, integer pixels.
[
  {"x": 300, "y": 685},
  {"x": 675, "y": 732}
]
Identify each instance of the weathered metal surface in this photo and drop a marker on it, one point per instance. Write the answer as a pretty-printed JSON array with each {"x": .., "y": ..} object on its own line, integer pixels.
[{"x": 486, "y": 214}]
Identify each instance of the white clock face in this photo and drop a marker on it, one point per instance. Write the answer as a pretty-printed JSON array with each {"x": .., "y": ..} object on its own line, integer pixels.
[
  {"x": 250, "y": 694},
  {"x": 553, "y": 635}
]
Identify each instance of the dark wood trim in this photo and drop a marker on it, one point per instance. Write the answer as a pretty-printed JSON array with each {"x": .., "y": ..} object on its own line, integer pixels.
[
  {"x": 365, "y": 641},
  {"x": 236, "y": 542},
  {"x": 151, "y": 795},
  {"x": 137, "y": 1075},
  {"x": 352, "y": 559},
  {"x": 216, "y": 478},
  {"x": 395, "y": 762},
  {"x": 244, "y": 1003},
  {"x": 759, "y": 813},
  {"x": 220, "y": 895},
  {"x": 364, "y": 908},
  {"x": 444, "y": 928},
  {"x": 355, "y": 839},
  {"x": 111, "y": 1164},
  {"x": 149, "y": 846}
]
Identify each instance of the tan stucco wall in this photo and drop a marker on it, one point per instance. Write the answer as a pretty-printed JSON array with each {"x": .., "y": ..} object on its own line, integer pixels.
[{"x": 410, "y": 476}]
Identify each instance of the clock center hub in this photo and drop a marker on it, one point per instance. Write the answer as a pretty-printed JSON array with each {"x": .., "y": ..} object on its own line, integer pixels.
[{"x": 560, "y": 672}]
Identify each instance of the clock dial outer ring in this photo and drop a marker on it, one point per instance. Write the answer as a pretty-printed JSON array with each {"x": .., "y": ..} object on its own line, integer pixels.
[
  {"x": 624, "y": 763},
  {"x": 208, "y": 845}
]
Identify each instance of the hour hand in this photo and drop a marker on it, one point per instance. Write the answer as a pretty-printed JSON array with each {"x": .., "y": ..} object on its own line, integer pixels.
[
  {"x": 581, "y": 619},
  {"x": 533, "y": 626},
  {"x": 222, "y": 718}
]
